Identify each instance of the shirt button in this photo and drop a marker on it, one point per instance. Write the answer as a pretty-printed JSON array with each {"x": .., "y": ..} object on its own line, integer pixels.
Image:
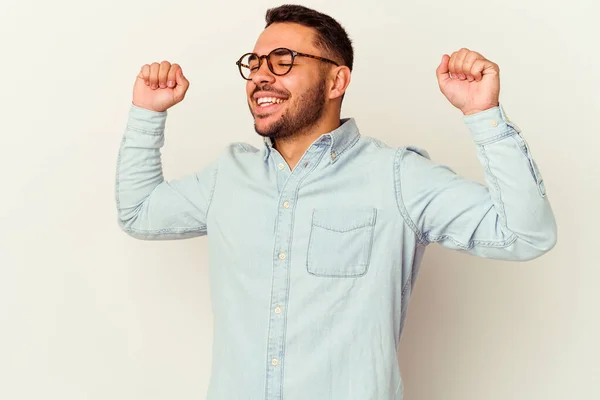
[
  {"x": 277, "y": 310},
  {"x": 274, "y": 362},
  {"x": 282, "y": 256},
  {"x": 286, "y": 204},
  {"x": 332, "y": 156},
  {"x": 281, "y": 166},
  {"x": 494, "y": 123}
]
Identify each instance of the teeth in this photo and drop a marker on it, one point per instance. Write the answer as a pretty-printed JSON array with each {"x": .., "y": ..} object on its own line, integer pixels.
[{"x": 269, "y": 100}]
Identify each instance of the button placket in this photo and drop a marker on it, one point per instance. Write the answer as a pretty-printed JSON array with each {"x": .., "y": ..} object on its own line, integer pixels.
[{"x": 280, "y": 276}]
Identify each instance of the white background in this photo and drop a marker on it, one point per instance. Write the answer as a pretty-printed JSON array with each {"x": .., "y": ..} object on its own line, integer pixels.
[{"x": 87, "y": 312}]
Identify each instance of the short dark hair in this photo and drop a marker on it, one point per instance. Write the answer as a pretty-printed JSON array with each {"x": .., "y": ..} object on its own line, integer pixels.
[{"x": 331, "y": 36}]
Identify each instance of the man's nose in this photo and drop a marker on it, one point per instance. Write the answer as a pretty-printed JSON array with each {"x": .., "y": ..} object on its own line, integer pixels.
[{"x": 263, "y": 74}]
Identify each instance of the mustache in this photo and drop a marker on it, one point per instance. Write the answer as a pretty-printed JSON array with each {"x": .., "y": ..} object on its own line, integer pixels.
[{"x": 269, "y": 88}]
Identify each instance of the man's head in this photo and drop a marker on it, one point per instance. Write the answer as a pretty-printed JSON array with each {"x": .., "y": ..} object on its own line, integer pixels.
[{"x": 303, "y": 87}]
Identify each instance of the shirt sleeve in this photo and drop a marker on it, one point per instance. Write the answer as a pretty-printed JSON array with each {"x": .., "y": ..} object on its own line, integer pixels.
[
  {"x": 148, "y": 206},
  {"x": 508, "y": 218}
]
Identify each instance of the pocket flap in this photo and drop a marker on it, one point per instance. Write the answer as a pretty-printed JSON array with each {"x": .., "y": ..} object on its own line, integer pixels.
[{"x": 343, "y": 220}]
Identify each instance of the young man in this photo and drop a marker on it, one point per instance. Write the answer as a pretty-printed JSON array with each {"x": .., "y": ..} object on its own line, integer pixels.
[{"x": 316, "y": 238}]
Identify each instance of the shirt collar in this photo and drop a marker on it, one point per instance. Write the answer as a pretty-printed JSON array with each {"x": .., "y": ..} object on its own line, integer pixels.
[{"x": 338, "y": 140}]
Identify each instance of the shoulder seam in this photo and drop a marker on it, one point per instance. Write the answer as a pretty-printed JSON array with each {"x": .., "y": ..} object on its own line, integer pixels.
[
  {"x": 212, "y": 191},
  {"x": 399, "y": 199}
]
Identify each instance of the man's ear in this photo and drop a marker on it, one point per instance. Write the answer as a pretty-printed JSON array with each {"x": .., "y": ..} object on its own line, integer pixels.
[{"x": 340, "y": 79}]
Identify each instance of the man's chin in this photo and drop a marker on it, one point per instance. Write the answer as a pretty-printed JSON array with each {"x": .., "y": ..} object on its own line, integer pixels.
[
  {"x": 263, "y": 130},
  {"x": 263, "y": 125}
]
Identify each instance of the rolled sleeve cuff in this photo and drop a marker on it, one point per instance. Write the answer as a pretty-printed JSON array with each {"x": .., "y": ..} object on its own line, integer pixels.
[
  {"x": 490, "y": 125},
  {"x": 147, "y": 121}
]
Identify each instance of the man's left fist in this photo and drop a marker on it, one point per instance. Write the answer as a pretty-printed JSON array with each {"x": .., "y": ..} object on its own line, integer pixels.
[{"x": 469, "y": 81}]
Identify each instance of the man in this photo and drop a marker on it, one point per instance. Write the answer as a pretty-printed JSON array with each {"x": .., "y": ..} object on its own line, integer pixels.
[{"x": 316, "y": 239}]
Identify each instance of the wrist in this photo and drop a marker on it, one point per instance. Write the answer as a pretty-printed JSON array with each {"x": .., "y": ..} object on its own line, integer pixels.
[
  {"x": 146, "y": 107},
  {"x": 478, "y": 110}
]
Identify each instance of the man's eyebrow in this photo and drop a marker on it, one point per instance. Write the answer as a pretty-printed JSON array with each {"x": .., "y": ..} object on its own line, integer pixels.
[{"x": 281, "y": 52}]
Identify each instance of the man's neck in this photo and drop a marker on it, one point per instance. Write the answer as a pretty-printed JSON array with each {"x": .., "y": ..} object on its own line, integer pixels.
[{"x": 292, "y": 148}]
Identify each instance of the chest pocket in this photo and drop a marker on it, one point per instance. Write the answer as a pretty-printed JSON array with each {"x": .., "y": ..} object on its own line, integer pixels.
[{"x": 340, "y": 242}]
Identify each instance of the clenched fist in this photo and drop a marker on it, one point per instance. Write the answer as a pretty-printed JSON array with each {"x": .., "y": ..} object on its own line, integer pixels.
[
  {"x": 159, "y": 86},
  {"x": 469, "y": 81}
]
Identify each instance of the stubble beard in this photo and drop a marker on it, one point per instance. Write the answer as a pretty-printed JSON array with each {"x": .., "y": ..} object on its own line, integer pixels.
[{"x": 305, "y": 113}]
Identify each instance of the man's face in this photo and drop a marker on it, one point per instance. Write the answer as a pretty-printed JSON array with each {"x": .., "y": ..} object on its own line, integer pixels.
[{"x": 296, "y": 100}]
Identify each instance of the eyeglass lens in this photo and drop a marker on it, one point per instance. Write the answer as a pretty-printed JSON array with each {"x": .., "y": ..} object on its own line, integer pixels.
[{"x": 280, "y": 63}]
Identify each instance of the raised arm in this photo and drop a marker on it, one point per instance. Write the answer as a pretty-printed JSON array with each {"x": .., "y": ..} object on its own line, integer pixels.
[
  {"x": 509, "y": 217},
  {"x": 148, "y": 206}
]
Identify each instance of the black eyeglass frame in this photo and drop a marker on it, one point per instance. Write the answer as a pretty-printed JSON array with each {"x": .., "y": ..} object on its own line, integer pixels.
[{"x": 267, "y": 57}]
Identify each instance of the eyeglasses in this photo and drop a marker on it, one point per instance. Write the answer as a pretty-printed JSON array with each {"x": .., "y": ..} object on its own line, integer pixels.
[{"x": 280, "y": 62}]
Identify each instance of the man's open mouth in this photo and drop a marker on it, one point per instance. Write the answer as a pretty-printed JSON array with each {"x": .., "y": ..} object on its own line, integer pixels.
[{"x": 269, "y": 101}]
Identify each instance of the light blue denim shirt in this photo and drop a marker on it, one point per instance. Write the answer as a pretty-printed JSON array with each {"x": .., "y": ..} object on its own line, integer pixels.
[{"x": 311, "y": 269}]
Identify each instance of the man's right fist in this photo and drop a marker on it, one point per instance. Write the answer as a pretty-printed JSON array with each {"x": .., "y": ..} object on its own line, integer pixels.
[{"x": 159, "y": 86}]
